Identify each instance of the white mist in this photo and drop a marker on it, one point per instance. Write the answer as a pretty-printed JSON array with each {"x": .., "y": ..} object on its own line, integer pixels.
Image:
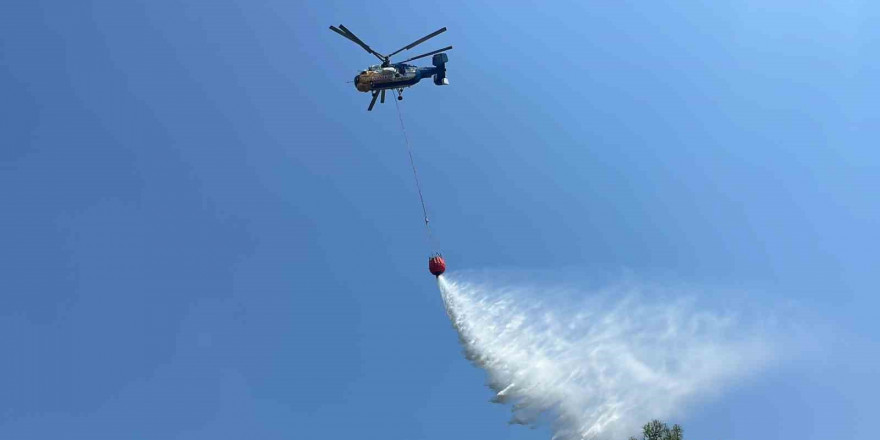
[{"x": 599, "y": 364}]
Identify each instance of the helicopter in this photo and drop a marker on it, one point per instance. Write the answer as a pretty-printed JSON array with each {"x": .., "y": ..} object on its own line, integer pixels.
[{"x": 396, "y": 76}]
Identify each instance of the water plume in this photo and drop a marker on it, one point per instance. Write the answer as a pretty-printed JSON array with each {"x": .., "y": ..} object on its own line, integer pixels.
[{"x": 599, "y": 363}]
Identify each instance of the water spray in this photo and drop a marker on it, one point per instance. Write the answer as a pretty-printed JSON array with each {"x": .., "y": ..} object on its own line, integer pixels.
[{"x": 599, "y": 364}]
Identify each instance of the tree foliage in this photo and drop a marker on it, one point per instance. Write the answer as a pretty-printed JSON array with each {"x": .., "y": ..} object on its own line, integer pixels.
[{"x": 657, "y": 430}]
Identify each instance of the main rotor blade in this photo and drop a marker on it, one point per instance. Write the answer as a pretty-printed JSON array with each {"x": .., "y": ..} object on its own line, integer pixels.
[
  {"x": 373, "y": 101},
  {"x": 353, "y": 38},
  {"x": 419, "y": 41},
  {"x": 429, "y": 53},
  {"x": 361, "y": 43},
  {"x": 344, "y": 34},
  {"x": 383, "y": 97}
]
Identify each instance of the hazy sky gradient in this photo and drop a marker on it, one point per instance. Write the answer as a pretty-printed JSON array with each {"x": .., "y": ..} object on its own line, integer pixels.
[{"x": 205, "y": 235}]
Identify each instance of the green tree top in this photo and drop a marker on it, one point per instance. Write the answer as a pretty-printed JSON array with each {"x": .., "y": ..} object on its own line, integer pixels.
[{"x": 657, "y": 430}]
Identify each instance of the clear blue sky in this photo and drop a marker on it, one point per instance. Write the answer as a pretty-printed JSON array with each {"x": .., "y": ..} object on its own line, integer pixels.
[{"x": 203, "y": 234}]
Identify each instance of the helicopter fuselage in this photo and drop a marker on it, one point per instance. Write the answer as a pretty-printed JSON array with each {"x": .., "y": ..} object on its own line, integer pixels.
[{"x": 394, "y": 76}]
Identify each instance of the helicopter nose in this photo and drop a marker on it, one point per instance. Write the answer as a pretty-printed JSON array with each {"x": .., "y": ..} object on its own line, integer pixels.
[{"x": 356, "y": 78}]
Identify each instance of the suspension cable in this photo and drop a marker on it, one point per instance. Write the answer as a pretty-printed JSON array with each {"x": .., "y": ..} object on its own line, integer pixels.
[{"x": 412, "y": 162}]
